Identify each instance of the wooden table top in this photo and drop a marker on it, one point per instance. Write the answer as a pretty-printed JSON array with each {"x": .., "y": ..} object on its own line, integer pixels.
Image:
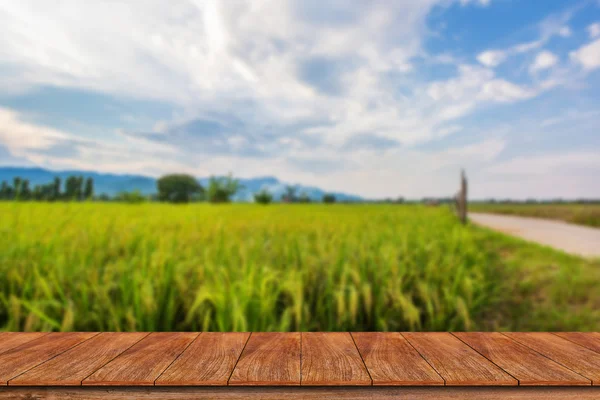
[{"x": 299, "y": 359}]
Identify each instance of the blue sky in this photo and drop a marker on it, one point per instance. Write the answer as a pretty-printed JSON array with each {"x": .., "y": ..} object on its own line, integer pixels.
[{"x": 375, "y": 97}]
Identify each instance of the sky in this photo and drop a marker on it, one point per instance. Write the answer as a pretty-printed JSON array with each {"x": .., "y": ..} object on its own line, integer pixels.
[{"x": 378, "y": 98}]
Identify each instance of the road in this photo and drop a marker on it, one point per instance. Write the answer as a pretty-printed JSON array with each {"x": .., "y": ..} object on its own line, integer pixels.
[{"x": 574, "y": 239}]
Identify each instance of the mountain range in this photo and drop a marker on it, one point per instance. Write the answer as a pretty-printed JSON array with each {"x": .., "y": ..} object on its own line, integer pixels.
[{"x": 111, "y": 184}]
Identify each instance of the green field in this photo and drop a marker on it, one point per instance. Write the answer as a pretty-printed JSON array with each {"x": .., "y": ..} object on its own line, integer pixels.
[
  {"x": 581, "y": 214},
  {"x": 69, "y": 266}
]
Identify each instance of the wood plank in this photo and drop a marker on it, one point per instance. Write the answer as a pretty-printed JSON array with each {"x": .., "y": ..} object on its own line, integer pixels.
[
  {"x": 10, "y": 340},
  {"x": 528, "y": 366},
  {"x": 330, "y": 359},
  {"x": 573, "y": 356},
  {"x": 391, "y": 360},
  {"x": 301, "y": 393},
  {"x": 271, "y": 359},
  {"x": 456, "y": 362},
  {"x": 209, "y": 361},
  {"x": 74, "y": 365},
  {"x": 28, "y": 355},
  {"x": 591, "y": 340},
  {"x": 144, "y": 362}
]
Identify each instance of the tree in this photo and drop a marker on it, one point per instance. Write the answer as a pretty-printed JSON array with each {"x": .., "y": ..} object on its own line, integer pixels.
[
  {"x": 25, "y": 191},
  {"x": 179, "y": 188},
  {"x": 79, "y": 188},
  {"x": 289, "y": 195},
  {"x": 304, "y": 198},
  {"x": 88, "y": 192},
  {"x": 104, "y": 197},
  {"x": 17, "y": 188},
  {"x": 38, "y": 192},
  {"x": 55, "y": 195},
  {"x": 221, "y": 190},
  {"x": 329, "y": 198},
  {"x": 263, "y": 197},
  {"x": 5, "y": 191},
  {"x": 134, "y": 197}
]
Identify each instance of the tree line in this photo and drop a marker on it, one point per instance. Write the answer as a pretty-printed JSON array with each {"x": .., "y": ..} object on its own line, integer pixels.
[
  {"x": 175, "y": 188},
  {"x": 180, "y": 188},
  {"x": 76, "y": 188}
]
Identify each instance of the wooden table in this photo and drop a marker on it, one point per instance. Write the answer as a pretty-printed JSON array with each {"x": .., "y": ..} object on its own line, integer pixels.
[{"x": 339, "y": 365}]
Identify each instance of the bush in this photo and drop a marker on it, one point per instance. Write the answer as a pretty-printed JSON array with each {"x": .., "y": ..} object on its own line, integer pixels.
[
  {"x": 263, "y": 197},
  {"x": 221, "y": 190},
  {"x": 329, "y": 198},
  {"x": 134, "y": 197}
]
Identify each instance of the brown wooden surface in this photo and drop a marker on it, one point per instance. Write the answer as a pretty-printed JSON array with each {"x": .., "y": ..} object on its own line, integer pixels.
[
  {"x": 591, "y": 340},
  {"x": 9, "y": 340},
  {"x": 32, "y": 353},
  {"x": 526, "y": 365},
  {"x": 332, "y": 359},
  {"x": 456, "y": 362},
  {"x": 269, "y": 359},
  {"x": 573, "y": 356},
  {"x": 208, "y": 361},
  {"x": 301, "y": 393},
  {"x": 74, "y": 365},
  {"x": 391, "y": 360},
  {"x": 294, "y": 359},
  {"x": 143, "y": 363}
]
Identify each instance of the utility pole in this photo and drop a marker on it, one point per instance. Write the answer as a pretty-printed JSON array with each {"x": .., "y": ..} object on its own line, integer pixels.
[{"x": 462, "y": 198}]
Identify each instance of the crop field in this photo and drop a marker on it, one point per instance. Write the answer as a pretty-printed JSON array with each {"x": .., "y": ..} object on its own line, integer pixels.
[
  {"x": 581, "y": 214},
  {"x": 235, "y": 267}
]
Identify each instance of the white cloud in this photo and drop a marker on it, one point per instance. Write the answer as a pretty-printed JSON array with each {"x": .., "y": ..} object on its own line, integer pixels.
[
  {"x": 546, "y": 163},
  {"x": 20, "y": 136},
  {"x": 528, "y": 46},
  {"x": 249, "y": 61},
  {"x": 588, "y": 56},
  {"x": 502, "y": 91},
  {"x": 218, "y": 57},
  {"x": 565, "y": 32},
  {"x": 569, "y": 116},
  {"x": 492, "y": 58},
  {"x": 483, "y": 3},
  {"x": 58, "y": 149},
  {"x": 594, "y": 30},
  {"x": 543, "y": 60}
]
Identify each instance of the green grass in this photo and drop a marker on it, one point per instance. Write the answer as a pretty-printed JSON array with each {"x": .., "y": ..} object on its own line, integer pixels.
[
  {"x": 581, "y": 214},
  {"x": 279, "y": 268}
]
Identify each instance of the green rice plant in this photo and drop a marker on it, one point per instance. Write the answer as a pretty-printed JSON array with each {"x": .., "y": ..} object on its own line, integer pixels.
[{"x": 301, "y": 267}]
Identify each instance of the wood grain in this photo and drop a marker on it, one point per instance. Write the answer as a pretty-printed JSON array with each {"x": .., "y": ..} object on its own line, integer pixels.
[
  {"x": 332, "y": 359},
  {"x": 10, "y": 340},
  {"x": 573, "y": 356},
  {"x": 391, "y": 360},
  {"x": 209, "y": 361},
  {"x": 269, "y": 359},
  {"x": 456, "y": 362},
  {"x": 528, "y": 366},
  {"x": 28, "y": 355},
  {"x": 591, "y": 340},
  {"x": 74, "y": 365},
  {"x": 144, "y": 362},
  {"x": 301, "y": 393}
]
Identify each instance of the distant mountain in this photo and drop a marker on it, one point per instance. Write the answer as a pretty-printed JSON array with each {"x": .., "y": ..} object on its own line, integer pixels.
[{"x": 112, "y": 184}]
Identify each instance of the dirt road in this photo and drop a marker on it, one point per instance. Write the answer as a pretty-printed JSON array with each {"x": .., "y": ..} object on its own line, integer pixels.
[{"x": 569, "y": 238}]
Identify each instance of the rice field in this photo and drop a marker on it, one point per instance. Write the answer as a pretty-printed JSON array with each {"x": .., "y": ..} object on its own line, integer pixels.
[{"x": 245, "y": 267}]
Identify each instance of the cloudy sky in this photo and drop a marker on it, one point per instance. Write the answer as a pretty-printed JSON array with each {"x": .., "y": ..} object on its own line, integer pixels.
[{"x": 374, "y": 97}]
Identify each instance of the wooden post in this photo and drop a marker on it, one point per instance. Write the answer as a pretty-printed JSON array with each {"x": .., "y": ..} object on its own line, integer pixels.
[{"x": 462, "y": 198}]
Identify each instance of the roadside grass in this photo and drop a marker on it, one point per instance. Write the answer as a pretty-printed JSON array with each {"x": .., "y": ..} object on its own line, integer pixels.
[
  {"x": 241, "y": 267},
  {"x": 580, "y": 214}
]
